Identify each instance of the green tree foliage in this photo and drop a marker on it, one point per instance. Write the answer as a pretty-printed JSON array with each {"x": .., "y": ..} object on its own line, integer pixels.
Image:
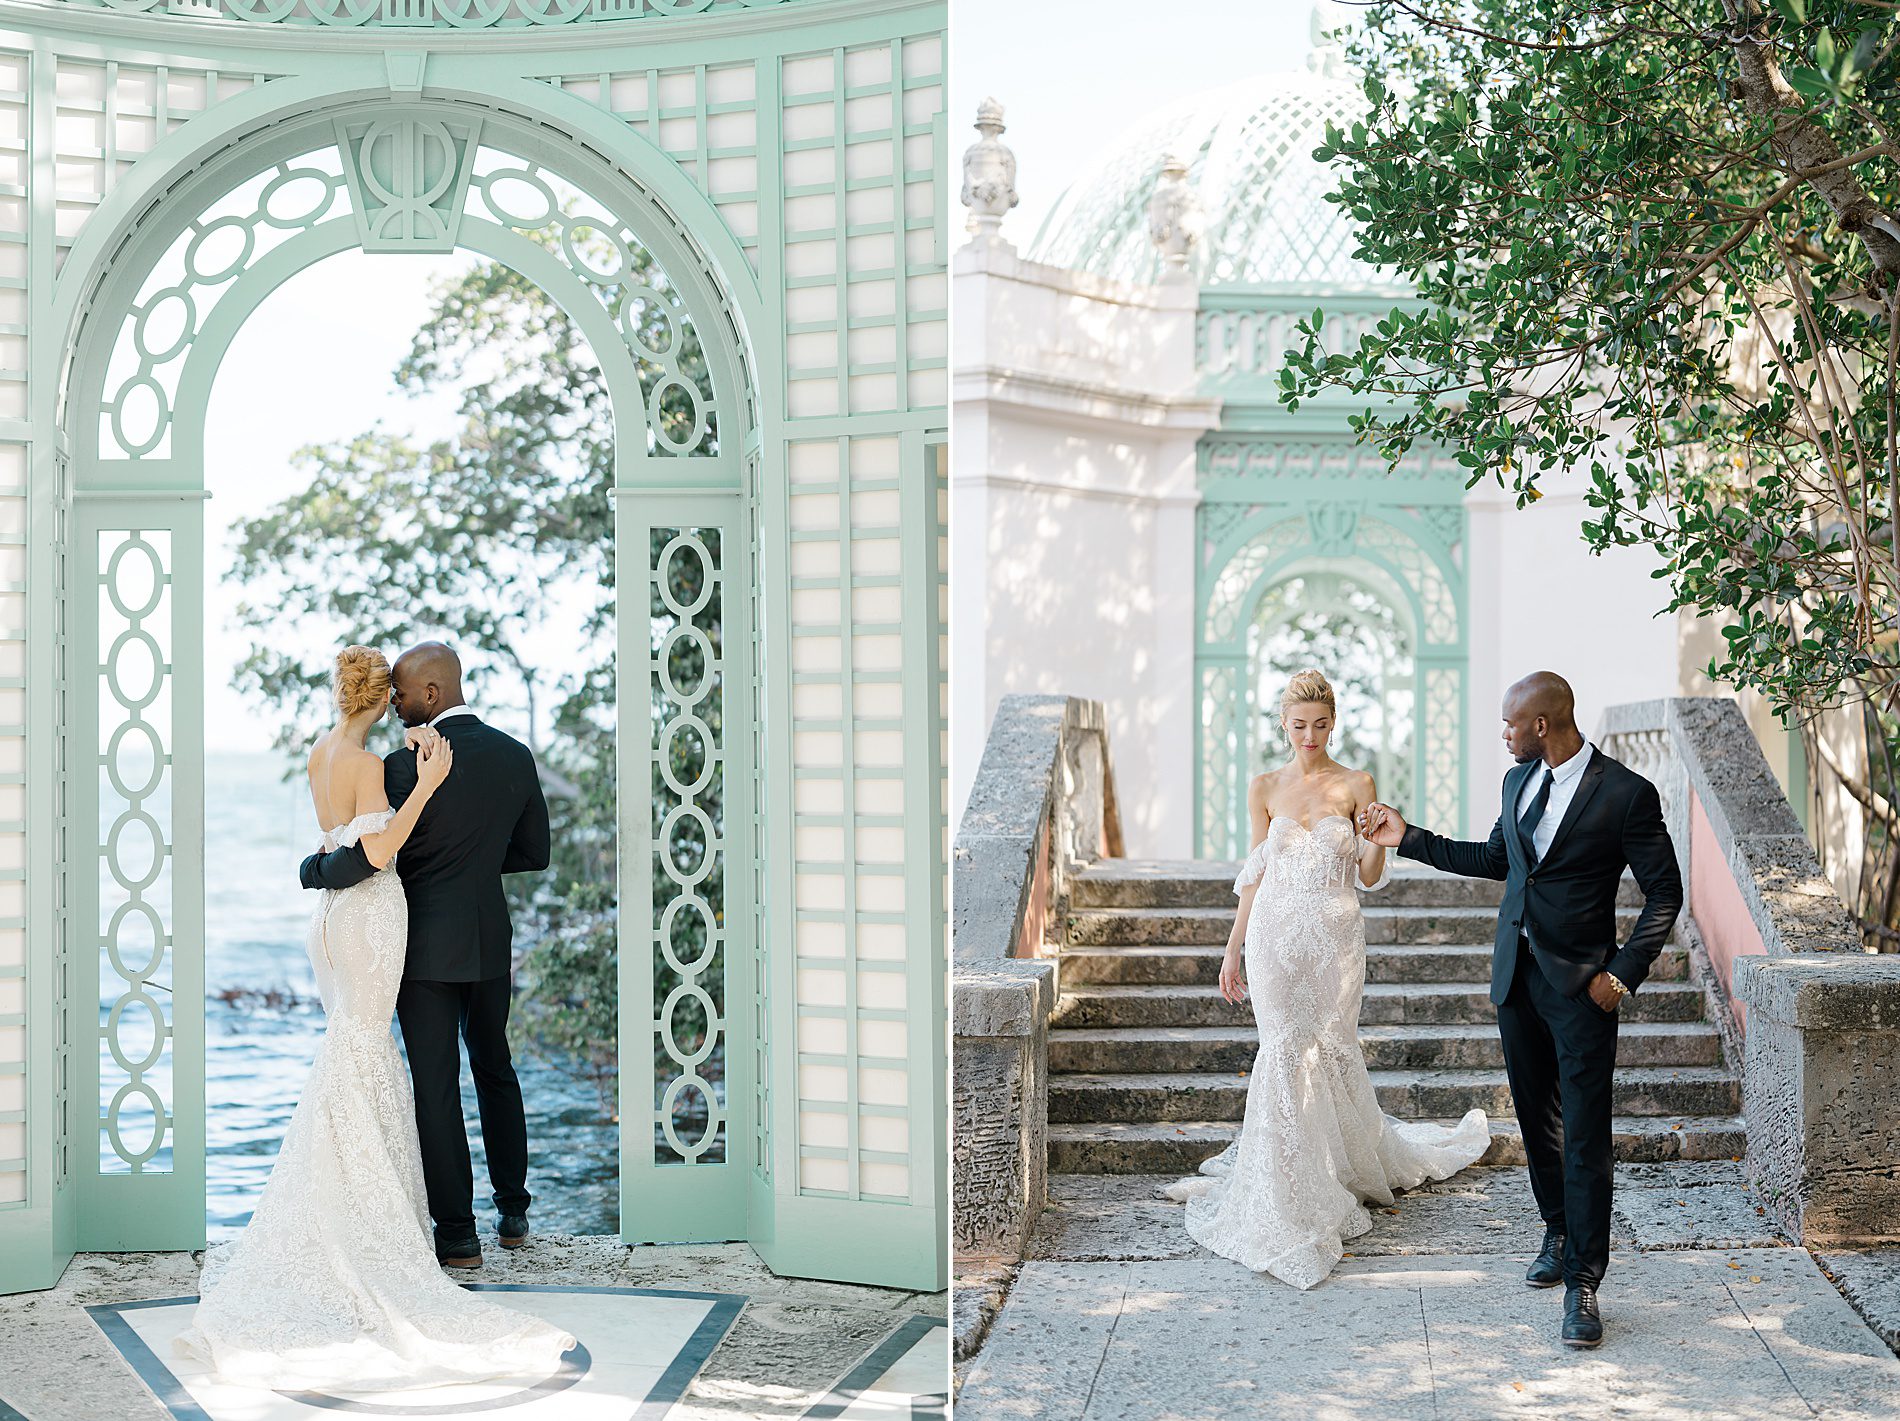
[
  {"x": 1657, "y": 241},
  {"x": 473, "y": 540}
]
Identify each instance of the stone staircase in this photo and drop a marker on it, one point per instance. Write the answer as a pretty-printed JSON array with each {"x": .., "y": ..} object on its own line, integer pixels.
[{"x": 1147, "y": 1065}]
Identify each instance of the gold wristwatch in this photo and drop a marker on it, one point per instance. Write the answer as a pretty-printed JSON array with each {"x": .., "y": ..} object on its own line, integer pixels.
[{"x": 1617, "y": 983}]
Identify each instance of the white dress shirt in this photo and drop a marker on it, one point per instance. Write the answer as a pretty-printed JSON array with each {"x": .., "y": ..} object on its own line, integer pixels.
[
  {"x": 1563, "y": 789},
  {"x": 466, "y": 709}
]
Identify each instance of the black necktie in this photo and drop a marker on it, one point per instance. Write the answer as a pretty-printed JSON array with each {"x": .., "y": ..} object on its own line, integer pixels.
[{"x": 1527, "y": 826}]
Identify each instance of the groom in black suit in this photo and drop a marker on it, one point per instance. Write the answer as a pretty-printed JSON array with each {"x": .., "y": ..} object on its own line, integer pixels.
[
  {"x": 487, "y": 818},
  {"x": 1572, "y": 818}
]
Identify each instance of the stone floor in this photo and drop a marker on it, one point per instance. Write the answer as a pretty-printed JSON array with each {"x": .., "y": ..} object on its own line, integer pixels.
[
  {"x": 1709, "y": 1314},
  {"x": 795, "y": 1338}
]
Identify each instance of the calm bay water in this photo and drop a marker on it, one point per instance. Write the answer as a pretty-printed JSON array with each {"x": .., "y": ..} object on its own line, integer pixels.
[{"x": 257, "y": 828}]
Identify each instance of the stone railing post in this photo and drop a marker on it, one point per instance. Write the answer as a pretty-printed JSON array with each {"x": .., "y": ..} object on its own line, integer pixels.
[
  {"x": 1043, "y": 801},
  {"x": 1822, "y": 1093},
  {"x": 1810, "y": 1017}
]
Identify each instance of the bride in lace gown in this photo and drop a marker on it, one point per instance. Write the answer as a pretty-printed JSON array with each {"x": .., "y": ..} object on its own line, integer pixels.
[
  {"x": 1314, "y": 1148},
  {"x": 334, "y": 1284}
]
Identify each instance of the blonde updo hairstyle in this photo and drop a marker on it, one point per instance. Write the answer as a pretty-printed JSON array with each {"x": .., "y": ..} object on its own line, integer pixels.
[
  {"x": 1307, "y": 688},
  {"x": 362, "y": 679}
]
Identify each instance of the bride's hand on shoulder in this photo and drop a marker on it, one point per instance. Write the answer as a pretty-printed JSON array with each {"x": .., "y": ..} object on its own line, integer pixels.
[
  {"x": 433, "y": 763},
  {"x": 1233, "y": 984}
]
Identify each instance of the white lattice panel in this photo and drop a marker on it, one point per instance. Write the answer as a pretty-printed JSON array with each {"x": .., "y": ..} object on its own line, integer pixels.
[
  {"x": 109, "y": 115},
  {"x": 705, "y": 118},
  {"x": 853, "y": 1085},
  {"x": 865, "y": 289}
]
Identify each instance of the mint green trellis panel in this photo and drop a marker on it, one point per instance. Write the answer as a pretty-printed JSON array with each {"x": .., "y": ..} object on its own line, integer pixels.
[
  {"x": 1257, "y": 534},
  {"x": 665, "y": 50},
  {"x": 136, "y": 849},
  {"x": 687, "y": 991}
]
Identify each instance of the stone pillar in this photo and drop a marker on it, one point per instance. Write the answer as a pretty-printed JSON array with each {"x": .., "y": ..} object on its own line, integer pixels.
[
  {"x": 1000, "y": 1103},
  {"x": 1821, "y": 1092}
]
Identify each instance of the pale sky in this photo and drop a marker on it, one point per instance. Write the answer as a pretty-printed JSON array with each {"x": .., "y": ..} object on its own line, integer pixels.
[{"x": 1072, "y": 74}]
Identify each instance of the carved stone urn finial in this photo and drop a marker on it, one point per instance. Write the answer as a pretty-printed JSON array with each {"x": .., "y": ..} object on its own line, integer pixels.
[
  {"x": 1176, "y": 220},
  {"x": 989, "y": 175},
  {"x": 1328, "y": 54}
]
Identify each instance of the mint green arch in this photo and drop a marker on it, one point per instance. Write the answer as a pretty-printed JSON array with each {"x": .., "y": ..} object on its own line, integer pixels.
[
  {"x": 638, "y": 170},
  {"x": 151, "y": 504},
  {"x": 1223, "y": 684}
]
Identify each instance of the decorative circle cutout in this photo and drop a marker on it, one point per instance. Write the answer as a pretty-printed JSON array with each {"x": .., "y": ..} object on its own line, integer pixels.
[
  {"x": 664, "y": 415},
  {"x": 520, "y": 198},
  {"x": 670, "y": 1111},
  {"x": 115, "y": 946},
  {"x": 115, "y": 759},
  {"x": 116, "y": 1026},
  {"x": 674, "y": 848},
  {"x": 139, "y": 1156},
  {"x": 306, "y": 192},
  {"x": 163, "y": 326},
  {"x": 637, "y": 304},
  {"x": 227, "y": 243},
  {"x": 686, "y": 649},
  {"x": 118, "y": 583},
  {"x": 622, "y": 260},
  {"x": 115, "y": 850},
  {"x": 685, "y": 917},
  {"x": 141, "y": 405},
  {"x": 688, "y": 739},
  {"x": 121, "y": 650},
  {"x": 696, "y": 572},
  {"x": 689, "y": 995}
]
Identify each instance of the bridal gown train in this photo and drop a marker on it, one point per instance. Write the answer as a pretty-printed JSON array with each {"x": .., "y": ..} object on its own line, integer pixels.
[
  {"x": 1314, "y": 1147},
  {"x": 334, "y": 1283}
]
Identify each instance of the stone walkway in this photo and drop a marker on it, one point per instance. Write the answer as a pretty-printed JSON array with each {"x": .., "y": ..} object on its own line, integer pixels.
[
  {"x": 1709, "y": 1314},
  {"x": 793, "y": 1341}
]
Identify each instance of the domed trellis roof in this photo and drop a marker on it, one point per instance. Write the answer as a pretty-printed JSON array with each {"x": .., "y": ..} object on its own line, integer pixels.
[{"x": 1249, "y": 151}]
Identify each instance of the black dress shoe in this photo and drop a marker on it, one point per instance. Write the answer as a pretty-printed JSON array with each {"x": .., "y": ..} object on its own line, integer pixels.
[
  {"x": 460, "y": 1255},
  {"x": 1547, "y": 1270},
  {"x": 1583, "y": 1324},
  {"x": 513, "y": 1229}
]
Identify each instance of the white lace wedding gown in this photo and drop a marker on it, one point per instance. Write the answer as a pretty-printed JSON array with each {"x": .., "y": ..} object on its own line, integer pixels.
[
  {"x": 1314, "y": 1147},
  {"x": 334, "y": 1284}
]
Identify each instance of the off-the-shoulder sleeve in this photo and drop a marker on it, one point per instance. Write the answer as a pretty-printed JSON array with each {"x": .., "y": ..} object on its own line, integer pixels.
[
  {"x": 1366, "y": 846},
  {"x": 374, "y": 822},
  {"x": 1251, "y": 870}
]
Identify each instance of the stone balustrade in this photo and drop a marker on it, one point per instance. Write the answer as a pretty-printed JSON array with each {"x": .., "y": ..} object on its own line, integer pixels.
[
  {"x": 1814, "y": 1017},
  {"x": 1042, "y": 802}
]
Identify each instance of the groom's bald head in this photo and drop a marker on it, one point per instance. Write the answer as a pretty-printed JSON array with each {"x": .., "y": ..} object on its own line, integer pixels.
[
  {"x": 1540, "y": 713},
  {"x": 425, "y": 681}
]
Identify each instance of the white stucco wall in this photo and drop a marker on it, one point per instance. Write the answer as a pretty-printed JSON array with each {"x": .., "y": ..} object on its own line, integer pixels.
[
  {"x": 1539, "y": 601},
  {"x": 1072, "y": 519}
]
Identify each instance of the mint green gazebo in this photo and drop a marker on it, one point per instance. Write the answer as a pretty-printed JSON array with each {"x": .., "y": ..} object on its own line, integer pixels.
[
  {"x": 1305, "y": 550},
  {"x": 164, "y": 166}
]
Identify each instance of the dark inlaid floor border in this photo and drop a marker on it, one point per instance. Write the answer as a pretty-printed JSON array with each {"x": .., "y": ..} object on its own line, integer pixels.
[
  {"x": 926, "y": 1406},
  {"x": 670, "y": 1388}
]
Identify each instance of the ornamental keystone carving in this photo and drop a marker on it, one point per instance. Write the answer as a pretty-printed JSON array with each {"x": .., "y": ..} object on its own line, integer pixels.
[
  {"x": 409, "y": 178},
  {"x": 1176, "y": 220},
  {"x": 989, "y": 175}
]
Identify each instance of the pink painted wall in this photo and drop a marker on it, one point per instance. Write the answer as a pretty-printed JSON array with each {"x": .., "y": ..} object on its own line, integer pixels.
[
  {"x": 1031, "y": 942},
  {"x": 1727, "y": 927}
]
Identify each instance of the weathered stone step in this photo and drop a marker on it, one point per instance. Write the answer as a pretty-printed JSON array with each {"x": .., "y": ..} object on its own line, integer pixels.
[
  {"x": 1190, "y": 883},
  {"x": 1092, "y": 1050},
  {"x": 1131, "y": 964},
  {"x": 1177, "y": 883},
  {"x": 1408, "y": 1095},
  {"x": 1210, "y": 926},
  {"x": 1383, "y": 1003},
  {"x": 1178, "y": 1147}
]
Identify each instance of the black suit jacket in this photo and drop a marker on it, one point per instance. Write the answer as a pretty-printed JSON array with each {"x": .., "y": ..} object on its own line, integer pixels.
[
  {"x": 1566, "y": 902},
  {"x": 487, "y": 818}
]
